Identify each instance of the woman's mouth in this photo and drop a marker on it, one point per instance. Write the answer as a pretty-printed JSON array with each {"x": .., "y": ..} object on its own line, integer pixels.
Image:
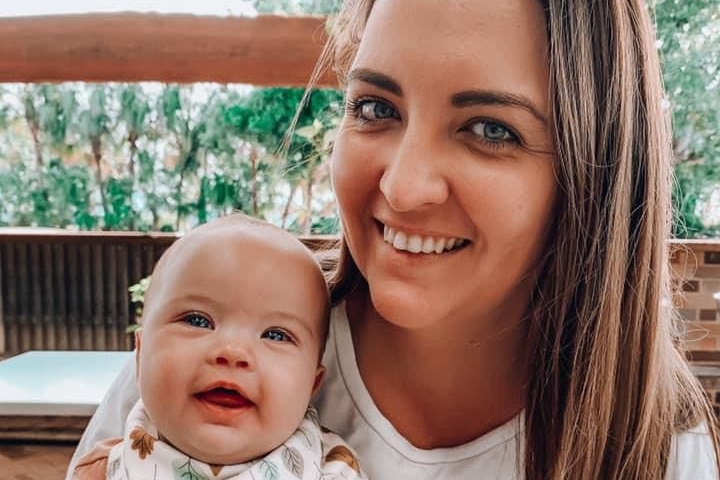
[{"x": 414, "y": 243}]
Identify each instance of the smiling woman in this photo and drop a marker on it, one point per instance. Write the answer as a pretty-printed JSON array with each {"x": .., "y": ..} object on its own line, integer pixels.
[
  {"x": 500, "y": 297},
  {"x": 462, "y": 159}
]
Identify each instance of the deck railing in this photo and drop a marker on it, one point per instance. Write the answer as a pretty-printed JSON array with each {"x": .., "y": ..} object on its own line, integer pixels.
[{"x": 70, "y": 291}]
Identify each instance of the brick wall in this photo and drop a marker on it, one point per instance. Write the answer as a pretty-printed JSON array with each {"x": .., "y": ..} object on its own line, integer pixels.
[{"x": 696, "y": 276}]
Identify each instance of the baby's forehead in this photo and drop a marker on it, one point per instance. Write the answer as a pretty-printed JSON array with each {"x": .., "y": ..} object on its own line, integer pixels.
[
  {"x": 238, "y": 249},
  {"x": 254, "y": 239}
]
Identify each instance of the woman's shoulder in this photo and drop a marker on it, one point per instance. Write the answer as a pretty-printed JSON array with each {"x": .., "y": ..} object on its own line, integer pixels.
[{"x": 692, "y": 456}]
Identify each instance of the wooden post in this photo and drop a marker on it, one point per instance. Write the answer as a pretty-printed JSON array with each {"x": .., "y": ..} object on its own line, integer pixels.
[{"x": 131, "y": 47}]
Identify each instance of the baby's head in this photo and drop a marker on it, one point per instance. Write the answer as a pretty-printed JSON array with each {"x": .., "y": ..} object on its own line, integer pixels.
[{"x": 233, "y": 327}]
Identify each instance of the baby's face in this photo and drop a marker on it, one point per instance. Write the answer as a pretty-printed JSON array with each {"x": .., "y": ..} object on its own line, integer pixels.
[{"x": 228, "y": 354}]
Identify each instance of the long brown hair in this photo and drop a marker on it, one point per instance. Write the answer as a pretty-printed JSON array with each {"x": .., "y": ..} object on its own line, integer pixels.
[{"x": 612, "y": 385}]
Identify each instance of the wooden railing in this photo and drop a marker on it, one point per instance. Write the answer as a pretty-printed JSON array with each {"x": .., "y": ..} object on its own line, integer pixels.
[
  {"x": 131, "y": 47},
  {"x": 69, "y": 291}
]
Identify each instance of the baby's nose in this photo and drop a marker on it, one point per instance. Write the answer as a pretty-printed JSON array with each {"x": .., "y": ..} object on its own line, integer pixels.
[{"x": 233, "y": 356}]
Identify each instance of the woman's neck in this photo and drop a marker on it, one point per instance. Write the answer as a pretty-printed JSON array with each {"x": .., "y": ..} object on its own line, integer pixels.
[{"x": 439, "y": 386}]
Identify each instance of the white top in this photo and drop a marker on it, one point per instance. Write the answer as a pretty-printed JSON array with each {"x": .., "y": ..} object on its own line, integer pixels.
[{"x": 346, "y": 408}]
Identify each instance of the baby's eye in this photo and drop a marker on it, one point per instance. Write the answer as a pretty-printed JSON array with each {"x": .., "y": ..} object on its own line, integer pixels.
[
  {"x": 197, "y": 320},
  {"x": 493, "y": 131},
  {"x": 276, "y": 335}
]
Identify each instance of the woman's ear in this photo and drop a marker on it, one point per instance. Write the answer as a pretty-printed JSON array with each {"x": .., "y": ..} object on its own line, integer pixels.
[{"x": 319, "y": 375}]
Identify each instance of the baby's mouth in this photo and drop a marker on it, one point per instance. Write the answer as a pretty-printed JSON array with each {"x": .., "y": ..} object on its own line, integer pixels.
[{"x": 224, "y": 397}]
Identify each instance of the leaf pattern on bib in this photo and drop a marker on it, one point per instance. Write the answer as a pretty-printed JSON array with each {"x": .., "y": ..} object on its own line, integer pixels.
[
  {"x": 183, "y": 470},
  {"x": 142, "y": 441},
  {"x": 113, "y": 469},
  {"x": 269, "y": 470},
  {"x": 313, "y": 416},
  {"x": 293, "y": 460},
  {"x": 343, "y": 454}
]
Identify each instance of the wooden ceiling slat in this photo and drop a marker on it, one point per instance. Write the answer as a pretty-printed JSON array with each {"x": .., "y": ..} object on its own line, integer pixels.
[{"x": 174, "y": 48}]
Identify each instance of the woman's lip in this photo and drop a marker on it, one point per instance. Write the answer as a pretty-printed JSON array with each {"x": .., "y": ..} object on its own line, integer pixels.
[{"x": 413, "y": 231}]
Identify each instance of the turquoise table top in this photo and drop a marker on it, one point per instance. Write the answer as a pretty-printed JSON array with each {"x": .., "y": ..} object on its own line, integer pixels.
[{"x": 57, "y": 382}]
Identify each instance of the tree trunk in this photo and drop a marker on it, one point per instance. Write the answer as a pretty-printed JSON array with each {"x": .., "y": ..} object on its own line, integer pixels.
[
  {"x": 178, "y": 200},
  {"x": 96, "y": 144},
  {"x": 35, "y": 132},
  {"x": 288, "y": 203},
  {"x": 307, "y": 220},
  {"x": 132, "y": 140},
  {"x": 34, "y": 127},
  {"x": 254, "y": 181}
]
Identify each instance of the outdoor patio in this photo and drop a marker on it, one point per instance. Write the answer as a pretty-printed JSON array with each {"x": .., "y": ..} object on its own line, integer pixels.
[{"x": 63, "y": 291}]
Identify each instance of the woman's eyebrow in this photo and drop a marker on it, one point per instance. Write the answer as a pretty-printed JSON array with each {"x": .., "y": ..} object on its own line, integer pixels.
[
  {"x": 495, "y": 98},
  {"x": 377, "y": 79}
]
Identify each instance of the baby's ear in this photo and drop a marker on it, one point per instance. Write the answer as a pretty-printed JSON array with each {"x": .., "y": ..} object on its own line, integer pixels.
[
  {"x": 138, "y": 338},
  {"x": 138, "y": 341},
  {"x": 319, "y": 375}
]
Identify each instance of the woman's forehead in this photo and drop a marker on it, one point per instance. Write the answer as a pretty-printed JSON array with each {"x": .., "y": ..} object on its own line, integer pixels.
[{"x": 458, "y": 46}]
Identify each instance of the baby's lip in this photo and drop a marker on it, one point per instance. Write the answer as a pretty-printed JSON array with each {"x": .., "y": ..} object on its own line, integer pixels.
[{"x": 224, "y": 394}]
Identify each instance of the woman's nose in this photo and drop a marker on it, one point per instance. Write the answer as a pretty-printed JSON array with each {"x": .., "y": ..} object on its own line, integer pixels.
[{"x": 413, "y": 176}]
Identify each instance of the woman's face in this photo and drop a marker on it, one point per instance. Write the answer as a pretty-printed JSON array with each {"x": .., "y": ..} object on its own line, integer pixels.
[{"x": 443, "y": 166}]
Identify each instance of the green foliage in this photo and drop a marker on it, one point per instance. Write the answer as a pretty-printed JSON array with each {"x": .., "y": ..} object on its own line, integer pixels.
[
  {"x": 689, "y": 42},
  {"x": 160, "y": 157},
  {"x": 137, "y": 295},
  {"x": 167, "y": 157},
  {"x": 297, "y": 6}
]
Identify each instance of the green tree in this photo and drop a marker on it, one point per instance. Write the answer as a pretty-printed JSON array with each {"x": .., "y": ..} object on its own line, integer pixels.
[
  {"x": 93, "y": 127},
  {"x": 133, "y": 116},
  {"x": 689, "y": 42},
  {"x": 297, "y": 7}
]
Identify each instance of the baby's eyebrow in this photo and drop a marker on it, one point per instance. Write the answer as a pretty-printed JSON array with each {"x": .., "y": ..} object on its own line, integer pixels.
[
  {"x": 471, "y": 98},
  {"x": 279, "y": 316}
]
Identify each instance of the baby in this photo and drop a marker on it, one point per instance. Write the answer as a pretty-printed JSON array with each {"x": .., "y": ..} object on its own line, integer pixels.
[{"x": 233, "y": 329}]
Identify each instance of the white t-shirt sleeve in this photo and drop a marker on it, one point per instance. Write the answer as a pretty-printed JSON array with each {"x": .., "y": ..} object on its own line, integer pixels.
[
  {"x": 109, "y": 418},
  {"x": 692, "y": 456}
]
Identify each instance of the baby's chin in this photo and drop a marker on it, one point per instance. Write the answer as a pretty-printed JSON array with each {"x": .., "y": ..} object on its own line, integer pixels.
[{"x": 211, "y": 444}]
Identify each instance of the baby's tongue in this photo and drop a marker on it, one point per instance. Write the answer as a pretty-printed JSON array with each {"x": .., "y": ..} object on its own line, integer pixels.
[{"x": 225, "y": 398}]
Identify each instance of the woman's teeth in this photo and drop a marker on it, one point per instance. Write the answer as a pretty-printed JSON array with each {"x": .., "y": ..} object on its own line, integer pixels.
[{"x": 416, "y": 243}]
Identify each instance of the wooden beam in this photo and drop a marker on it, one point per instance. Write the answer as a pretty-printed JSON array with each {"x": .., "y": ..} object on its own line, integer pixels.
[{"x": 130, "y": 47}]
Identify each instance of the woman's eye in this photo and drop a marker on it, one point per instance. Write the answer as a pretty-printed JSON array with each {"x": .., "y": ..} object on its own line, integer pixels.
[
  {"x": 197, "y": 320},
  {"x": 493, "y": 131},
  {"x": 276, "y": 335},
  {"x": 372, "y": 110}
]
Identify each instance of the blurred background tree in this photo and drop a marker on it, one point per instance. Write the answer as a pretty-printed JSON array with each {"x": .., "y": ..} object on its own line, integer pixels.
[
  {"x": 151, "y": 156},
  {"x": 689, "y": 42},
  {"x": 164, "y": 157}
]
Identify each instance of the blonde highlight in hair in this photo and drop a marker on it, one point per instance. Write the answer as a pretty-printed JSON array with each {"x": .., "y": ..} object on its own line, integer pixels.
[{"x": 612, "y": 385}]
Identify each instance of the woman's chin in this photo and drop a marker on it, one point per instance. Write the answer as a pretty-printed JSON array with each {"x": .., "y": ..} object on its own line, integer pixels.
[{"x": 404, "y": 307}]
